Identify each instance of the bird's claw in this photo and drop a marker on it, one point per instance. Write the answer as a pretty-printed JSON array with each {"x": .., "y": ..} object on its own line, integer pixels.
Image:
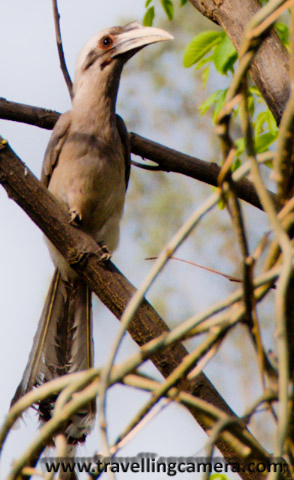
[
  {"x": 104, "y": 253},
  {"x": 75, "y": 217}
]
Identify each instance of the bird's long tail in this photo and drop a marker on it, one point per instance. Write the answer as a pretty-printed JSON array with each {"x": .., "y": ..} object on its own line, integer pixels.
[{"x": 62, "y": 344}]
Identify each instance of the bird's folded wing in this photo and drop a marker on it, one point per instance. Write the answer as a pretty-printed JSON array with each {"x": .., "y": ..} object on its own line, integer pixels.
[
  {"x": 123, "y": 133},
  {"x": 55, "y": 145}
]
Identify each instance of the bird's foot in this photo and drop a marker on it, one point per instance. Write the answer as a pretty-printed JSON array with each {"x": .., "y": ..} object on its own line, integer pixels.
[
  {"x": 75, "y": 217},
  {"x": 104, "y": 252}
]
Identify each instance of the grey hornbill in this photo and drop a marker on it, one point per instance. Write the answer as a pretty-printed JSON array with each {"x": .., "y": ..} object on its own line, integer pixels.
[{"x": 86, "y": 167}]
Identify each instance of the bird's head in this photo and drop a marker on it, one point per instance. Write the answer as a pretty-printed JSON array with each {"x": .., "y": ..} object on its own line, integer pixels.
[{"x": 111, "y": 48}]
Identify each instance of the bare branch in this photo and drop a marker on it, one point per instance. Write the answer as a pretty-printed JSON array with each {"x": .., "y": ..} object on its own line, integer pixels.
[
  {"x": 284, "y": 159},
  {"x": 208, "y": 269},
  {"x": 282, "y": 285},
  {"x": 207, "y": 172},
  {"x": 169, "y": 160},
  {"x": 60, "y": 48},
  {"x": 19, "y": 112},
  {"x": 108, "y": 283}
]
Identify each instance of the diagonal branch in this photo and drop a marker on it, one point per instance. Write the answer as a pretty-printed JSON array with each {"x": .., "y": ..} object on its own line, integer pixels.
[
  {"x": 113, "y": 289},
  {"x": 169, "y": 160}
]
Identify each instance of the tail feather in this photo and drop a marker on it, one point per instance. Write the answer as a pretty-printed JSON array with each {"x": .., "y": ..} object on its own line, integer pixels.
[{"x": 62, "y": 344}]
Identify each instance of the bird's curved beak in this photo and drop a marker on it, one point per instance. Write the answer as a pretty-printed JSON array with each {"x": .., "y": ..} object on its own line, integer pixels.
[{"x": 135, "y": 36}]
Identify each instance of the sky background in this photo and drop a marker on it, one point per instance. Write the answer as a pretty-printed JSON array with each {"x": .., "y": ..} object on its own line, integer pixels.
[{"x": 30, "y": 74}]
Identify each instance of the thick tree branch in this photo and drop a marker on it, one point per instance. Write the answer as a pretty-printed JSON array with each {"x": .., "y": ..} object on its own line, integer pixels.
[
  {"x": 168, "y": 159},
  {"x": 18, "y": 112},
  {"x": 82, "y": 253},
  {"x": 173, "y": 161},
  {"x": 270, "y": 67}
]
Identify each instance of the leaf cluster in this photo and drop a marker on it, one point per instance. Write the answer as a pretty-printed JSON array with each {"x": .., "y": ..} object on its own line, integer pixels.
[
  {"x": 214, "y": 49},
  {"x": 167, "y": 6},
  {"x": 211, "y": 51}
]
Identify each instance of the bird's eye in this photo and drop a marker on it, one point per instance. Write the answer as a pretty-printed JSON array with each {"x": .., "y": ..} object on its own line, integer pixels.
[{"x": 106, "y": 41}]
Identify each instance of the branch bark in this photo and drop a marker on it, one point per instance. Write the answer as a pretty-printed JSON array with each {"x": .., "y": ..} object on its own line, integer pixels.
[
  {"x": 173, "y": 161},
  {"x": 113, "y": 289},
  {"x": 168, "y": 159},
  {"x": 270, "y": 67},
  {"x": 19, "y": 112}
]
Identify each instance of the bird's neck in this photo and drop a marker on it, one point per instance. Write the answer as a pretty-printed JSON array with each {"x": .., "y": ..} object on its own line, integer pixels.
[{"x": 94, "y": 104}]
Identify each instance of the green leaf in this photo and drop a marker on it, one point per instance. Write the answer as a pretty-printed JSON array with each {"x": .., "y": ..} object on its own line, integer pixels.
[
  {"x": 183, "y": 2},
  {"x": 148, "y": 17},
  {"x": 271, "y": 121},
  {"x": 237, "y": 163},
  {"x": 254, "y": 90},
  {"x": 218, "y": 476},
  {"x": 203, "y": 62},
  {"x": 251, "y": 104},
  {"x": 240, "y": 144},
  {"x": 229, "y": 66},
  {"x": 168, "y": 8},
  {"x": 209, "y": 102},
  {"x": 221, "y": 204},
  {"x": 260, "y": 121},
  {"x": 219, "y": 104},
  {"x": 263, "y": 142},
  {"x": 283, "y": 32},
  {"x": 199, "y": 46},
  {"x": 205, "y": 75},
  {"x": 218, "y": 98},
  {"x": 147, "y": 3},
  {"x": 265, "y": 120},
  {"x": 225, "y": 55},
  {"x": 269, "y": 164}
]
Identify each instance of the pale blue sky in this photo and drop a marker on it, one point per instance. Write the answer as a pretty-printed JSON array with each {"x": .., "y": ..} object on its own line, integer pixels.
[{"x": 31, "y": 74}]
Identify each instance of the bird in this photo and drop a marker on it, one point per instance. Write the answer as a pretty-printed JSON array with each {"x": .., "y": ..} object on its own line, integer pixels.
[{"x": 86, "y": 167}]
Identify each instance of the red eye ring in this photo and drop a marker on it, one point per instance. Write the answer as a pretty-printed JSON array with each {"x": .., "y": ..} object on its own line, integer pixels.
[{"x": 106, "y": 41}]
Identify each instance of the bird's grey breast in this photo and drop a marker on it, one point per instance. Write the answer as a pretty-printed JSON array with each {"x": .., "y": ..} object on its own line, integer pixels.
[{"x": 90, "y": 179}]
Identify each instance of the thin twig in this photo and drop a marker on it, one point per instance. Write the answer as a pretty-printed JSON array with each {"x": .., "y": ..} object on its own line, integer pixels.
[
  {"x": 91, "y": 391},
  {"x": 277, "y": 12},
  {"x": 170, "y": 248},
  {"x": 52, "y": 426},
  {"x": 138, "y": 297},
  {"x": 178, "y": 373},
  {"x": 241, "y": 444},
  {"x": 247, "y": 273},
  {"x": 31, "y": 471},
  {"x": 135, "y": 427},
  {"x": 208, "y": 269},
  {"x": 152, "y": 168},
  {"x": 104, "y": 280},
  {"x": 282, "y": 284},
  {"x": 284, "y": 158},
  {"x": 241, "y": 440},
  {"x": 37, "y": 395},
  {"x": 267, "y": 397},
  {"x": 60, "y": 48},
  {"x": 247, "y": 51}
]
